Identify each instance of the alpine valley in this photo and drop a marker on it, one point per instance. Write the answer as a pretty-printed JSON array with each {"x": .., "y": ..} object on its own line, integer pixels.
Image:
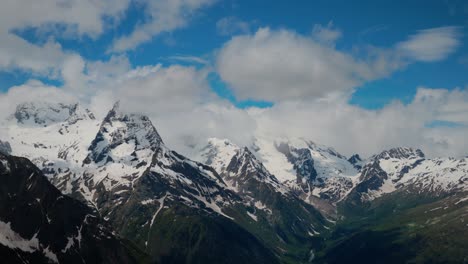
[{"x": 76, "y": 189}]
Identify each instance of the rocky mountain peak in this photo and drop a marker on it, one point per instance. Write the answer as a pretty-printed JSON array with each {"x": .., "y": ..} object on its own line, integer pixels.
[
  {"x": 323, "y": 149},
  {"x": 301, "y": 159},
  {"x": 244, "y": 162},
  {"x": 400, "y": 153},
  {"x": 357, "y": 161},
  {"x": 40, "y": 225},
  {"x": 45, "y": 113},
  {"x": 122, "y": 135}
]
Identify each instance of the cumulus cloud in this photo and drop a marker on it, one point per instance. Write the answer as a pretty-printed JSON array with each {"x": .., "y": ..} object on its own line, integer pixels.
[
  {"x": 277, "y": 65},
  {"x": 448, "y": 106},
  {"x": 186, "y": 112},
  {"x": 31, "y": 91},
  {"x": 48, "y": 59},
  {"x": 84, "y": 17},
  {"x": 352, "y": 129},
  {"x": 309, "y": 80},
  {"x": 158, "y": 89},
  {"x": 16, "y": 53},
  {"x": 431, "y": 44},
  {"x": 102, "y": 71},
  {"x": 177, "y": 98},
  {"x": 75, "y": 18},
  {"x": 180, "y": 102},
  {"x": 162, "y": 16}
]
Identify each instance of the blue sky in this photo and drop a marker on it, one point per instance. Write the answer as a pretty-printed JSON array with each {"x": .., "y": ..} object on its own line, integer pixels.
[
  {"x": 361, "y": 23},
  {"x": 361, "y": 76}
]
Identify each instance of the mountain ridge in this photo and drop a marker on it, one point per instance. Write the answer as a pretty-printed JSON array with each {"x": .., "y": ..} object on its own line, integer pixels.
[
  {"x": 50, "y": 233},
  {"x": 284, "y": 196}
]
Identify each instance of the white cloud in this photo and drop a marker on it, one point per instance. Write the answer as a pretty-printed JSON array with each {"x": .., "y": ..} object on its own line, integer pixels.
[
  {"x": 31, "y": 91},
  {"x": 232, "y": 25},
  {"x": 72, "y": 73},
  {"x": 74, "y": 19},
  {"x": 326, "y": 34},
  {"x": 449, "y": 106},
  {"x": 102, "y": 71},
  {"x": 81, "y": 16},
  {"x": 77, "y": 18},
  {"x": 178, "y": 100},
  {"x": 278, "y": 65},
  {"x": 352, "y": 129},
  {"x": 162, "y": 16},
  {"x": 310, "y": 80},
  {"x": 186, "y": 112},
  {"x": 157, "y": 89},
  {"x": 431, "y": 44},
  {"x": 16, "y": 53},
  {"x": 85, "y": 78},
  {"x": 183, "y": 131},
  {"x": 189, "y": 59}
]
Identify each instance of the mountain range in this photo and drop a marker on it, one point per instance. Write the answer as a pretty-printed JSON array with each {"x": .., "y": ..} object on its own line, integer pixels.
[{"x": 279, "y": 200}]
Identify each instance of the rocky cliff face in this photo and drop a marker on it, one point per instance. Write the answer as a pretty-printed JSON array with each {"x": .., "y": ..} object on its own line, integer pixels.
[
  {"x": 406, "y": 169},
  {"x": 40, "y": 225},
  {"x": 5, "y": 147}
]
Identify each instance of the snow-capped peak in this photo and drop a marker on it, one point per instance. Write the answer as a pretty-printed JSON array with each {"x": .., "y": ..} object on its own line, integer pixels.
[
  {"x": 237, "y": 165},
  {"x": 123, "y": 136},
  {"x": 218, "y": 153},
  {"x": 402, "y": 167},
  {"x": 323, "y": 149},
  {"x": 289, "y": 159},
  {"x": 400, "y": 153},
  {"x": 45, "y": 114},
  {"x": 310, "y": 169},
  {"x": 226, "y": 157},
  {"x": 244, "y": 162}
]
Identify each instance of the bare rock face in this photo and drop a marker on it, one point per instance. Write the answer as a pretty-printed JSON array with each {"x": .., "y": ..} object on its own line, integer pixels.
[
  {"x": 40, "y": 225},
  {"x": 5, "y": 148}
]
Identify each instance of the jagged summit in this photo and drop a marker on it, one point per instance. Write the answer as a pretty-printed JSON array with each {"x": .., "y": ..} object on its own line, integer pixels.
[
  {"x": 46, "y": 113},
  {"x": 123, "y": 136},
  {"x": 400, "y": 153},
  {"x": 302, "y": 161},
  {"x": 299, "y": 160},
  {"x": 407, "y": 169},
  {"x": 120, "y": 166},
  {"x": 322, "y": 148},
  {"x": 40, "y": 225},
  {"x": 308, "y": 169},
  {"x": 127, "y": 153},
  {"x": 227, "y": 158},
  {"x": 357, "y": 161},
  {"x": 237, "y": 165},
  {"x": 244, "y": 162}
]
